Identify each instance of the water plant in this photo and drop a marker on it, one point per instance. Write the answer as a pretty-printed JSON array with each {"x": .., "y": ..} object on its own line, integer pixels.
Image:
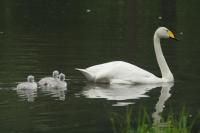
[{"x": 143, "y": 123}]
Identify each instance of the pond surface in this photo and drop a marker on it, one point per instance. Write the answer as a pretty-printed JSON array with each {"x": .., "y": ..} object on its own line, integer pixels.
[{"x": 39, "y": 37}]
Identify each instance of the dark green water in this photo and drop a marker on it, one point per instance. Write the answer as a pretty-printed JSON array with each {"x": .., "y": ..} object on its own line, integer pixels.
[{"x": 37, "y": 37}]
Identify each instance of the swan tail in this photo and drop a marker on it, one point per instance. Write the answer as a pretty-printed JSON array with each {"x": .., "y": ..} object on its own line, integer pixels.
[{"x": 89, "y": 76}]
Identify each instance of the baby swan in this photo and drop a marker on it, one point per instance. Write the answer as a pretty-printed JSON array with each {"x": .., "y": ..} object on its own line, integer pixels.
[
  {"x": 30, "y": 84},
  {"x": 61, "y": 82},
  {"x": 48, "y": 80}
]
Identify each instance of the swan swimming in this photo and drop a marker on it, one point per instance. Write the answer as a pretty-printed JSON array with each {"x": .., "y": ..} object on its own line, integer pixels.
[
  {"x": 30, "y": 84},
  {"x": 61, "y": 82},
  {"x": 126, "y": 73},
  {"x": 59, "y": 88},
  {"x": 50, "y": 81}
]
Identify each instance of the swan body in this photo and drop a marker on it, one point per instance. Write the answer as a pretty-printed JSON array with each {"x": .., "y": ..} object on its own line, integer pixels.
[
  {"x": 126, "y": 73},
  {"x": 118, "y": 72},
  {"x": 50, "y": 81},
  {"x": 30, "y": 84}
]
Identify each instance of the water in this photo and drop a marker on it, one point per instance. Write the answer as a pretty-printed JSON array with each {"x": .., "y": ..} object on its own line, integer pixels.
[{"x": 39, "y": 37}]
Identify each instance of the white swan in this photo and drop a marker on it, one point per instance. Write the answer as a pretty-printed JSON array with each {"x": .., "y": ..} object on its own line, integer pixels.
[
  {"x": 50, "y": 81},
  {"x": 30, "y": 84},
  {"x": 126, "y": 73}
]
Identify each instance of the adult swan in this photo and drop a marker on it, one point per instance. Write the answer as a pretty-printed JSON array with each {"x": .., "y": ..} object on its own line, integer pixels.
[{"x": 126, "y": 73}]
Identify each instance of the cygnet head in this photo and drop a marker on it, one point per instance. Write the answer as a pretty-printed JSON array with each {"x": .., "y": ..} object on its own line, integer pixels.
[
  {"x": 62, "y": 77},
  {"x": 55, "y": 74},
  {"x": 30, "y": 78},
  {"x": 163, "y": 32}
]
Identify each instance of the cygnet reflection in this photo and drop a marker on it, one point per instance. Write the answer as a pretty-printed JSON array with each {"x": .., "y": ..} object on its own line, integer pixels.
[
  {"x": 164, "y": 96},
  {"x": 27, "y": 94},
  {"x": 58, "y": 93},
  {"x": 119, "y": 92}
]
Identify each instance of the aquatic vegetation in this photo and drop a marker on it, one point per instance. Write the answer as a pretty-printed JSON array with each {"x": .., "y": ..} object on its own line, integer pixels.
[{"x": 144, "y": 124}]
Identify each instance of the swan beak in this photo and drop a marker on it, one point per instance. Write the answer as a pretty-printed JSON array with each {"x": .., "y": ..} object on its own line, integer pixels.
[{"x": 171, "y": 35}]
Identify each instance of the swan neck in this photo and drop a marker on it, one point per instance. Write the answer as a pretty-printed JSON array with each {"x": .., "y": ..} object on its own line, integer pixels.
[{"x": 165, "y": 71}]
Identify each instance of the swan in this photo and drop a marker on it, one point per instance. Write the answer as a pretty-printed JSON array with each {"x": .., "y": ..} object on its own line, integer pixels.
[
  {"x": 30, "y": 84},
  {"x": 61, "y": 82},
  {"x": 50, "y": 81},
  {"x": 125, "y": 73},
  {"x": 58, "y": 89}
]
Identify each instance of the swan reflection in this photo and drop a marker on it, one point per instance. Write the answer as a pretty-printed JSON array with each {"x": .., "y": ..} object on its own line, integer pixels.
[
  {"x": 118, "y": 92},
  {"x": 164, "y": 96},
  {"x": 27, "y": 94},
  {"x": 120, "y": 122},
  {"x": 56, "y": 92}
]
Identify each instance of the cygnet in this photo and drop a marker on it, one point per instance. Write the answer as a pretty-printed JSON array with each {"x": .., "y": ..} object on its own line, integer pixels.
[
  {"x": 50, "y": 81},
  {"x": 30, "y": 84}
]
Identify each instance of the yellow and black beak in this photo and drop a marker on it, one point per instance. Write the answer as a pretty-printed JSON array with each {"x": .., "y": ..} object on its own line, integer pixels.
[{"x": 171, "y": 36}]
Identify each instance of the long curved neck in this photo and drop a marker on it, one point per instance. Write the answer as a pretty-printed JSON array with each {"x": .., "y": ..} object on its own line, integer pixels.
[{"x": 165, "y": 71}]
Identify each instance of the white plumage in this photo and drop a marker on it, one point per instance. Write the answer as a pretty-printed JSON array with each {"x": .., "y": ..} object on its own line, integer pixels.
[
  {"x": 118, "y": 72},
  {"x": 125, "y": 73}
]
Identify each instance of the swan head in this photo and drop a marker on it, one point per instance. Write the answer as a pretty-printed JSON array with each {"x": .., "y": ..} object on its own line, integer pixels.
[
  {"x": 163, "y": 32},
  {"x": 62, "y": 77},
  {"x": 55, "y": 74},
  {"x": 30, "y": 78}
]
